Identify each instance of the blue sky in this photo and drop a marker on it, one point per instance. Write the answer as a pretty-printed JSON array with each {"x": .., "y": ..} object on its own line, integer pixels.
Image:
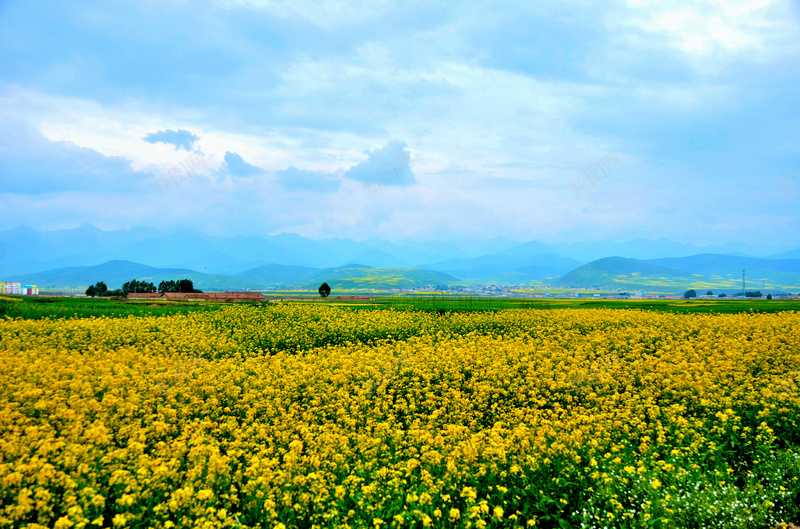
[{"x": 555, "y": 121}]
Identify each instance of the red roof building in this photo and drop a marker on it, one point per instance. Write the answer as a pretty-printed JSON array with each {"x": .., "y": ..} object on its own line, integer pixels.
[
  {"x": 144, "y": 295},
  {"x": 222, "y": 297}
]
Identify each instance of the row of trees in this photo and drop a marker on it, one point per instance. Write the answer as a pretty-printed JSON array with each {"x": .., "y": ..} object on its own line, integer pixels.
[
  {"x": 693, "y": 294},
  {"x": 182, "y": 285},
  {"x": 749, "y": 294},
  {"x": 133, "y": 286}
]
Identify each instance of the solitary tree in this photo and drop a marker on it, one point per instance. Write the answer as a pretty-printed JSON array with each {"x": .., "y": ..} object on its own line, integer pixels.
[
  {"x": 769, "y": 296},
  {"x": 690, "y": 294},
  {"x": 98, "y": 289},
  {"x": 709, "y": 293},
  {"x": 324, "y": 290}
]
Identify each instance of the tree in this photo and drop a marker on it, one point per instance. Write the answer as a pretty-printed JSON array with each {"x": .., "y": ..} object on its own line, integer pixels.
[
  {"x": 723, "y": 295},
  {"x": 185, "y": 285},
  {"x": 324, "y": 290},
  {"x": 182, "y": 285},
  {"x": 98, "y": 289},
  {"x": 769, "y": 296},
  {"x": 690, "y": 294},
  {"x": 138, "y": 286},
  {"x": 709, "y": 293}
]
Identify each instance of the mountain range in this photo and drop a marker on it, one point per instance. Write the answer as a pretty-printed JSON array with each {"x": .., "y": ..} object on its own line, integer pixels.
[
  {"x": 81, "y": 256},
  {"x": 25, "y": 250}
]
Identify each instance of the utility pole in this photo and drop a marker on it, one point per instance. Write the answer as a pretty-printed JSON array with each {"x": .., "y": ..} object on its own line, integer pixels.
[{"x": 743, "y": 290}]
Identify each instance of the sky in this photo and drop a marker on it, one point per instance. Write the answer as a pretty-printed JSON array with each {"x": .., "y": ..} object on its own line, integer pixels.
[{"x": 553, "y": 121}]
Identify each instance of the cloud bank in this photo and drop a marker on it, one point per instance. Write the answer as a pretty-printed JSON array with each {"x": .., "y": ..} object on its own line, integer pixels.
[{"x": 421, "y": 120}]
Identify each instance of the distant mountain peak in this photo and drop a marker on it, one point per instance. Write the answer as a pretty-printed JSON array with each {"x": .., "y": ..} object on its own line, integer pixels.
[
  {"x": 21, "y": 230},
  {"x": 354, "y": 265}
]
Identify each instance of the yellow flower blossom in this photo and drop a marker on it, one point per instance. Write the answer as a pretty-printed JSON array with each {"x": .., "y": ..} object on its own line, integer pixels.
[{"x": 323, "y": 416}]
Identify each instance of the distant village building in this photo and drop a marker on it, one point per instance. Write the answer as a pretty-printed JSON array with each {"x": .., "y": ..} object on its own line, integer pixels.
[
  {"x": 223, "y": 297},
  {"x": 236, "y": 296},
  {"x": 18, "y": 289},
  {"x": 185, "y": 296},
  {"x": 144, "y": 295}
]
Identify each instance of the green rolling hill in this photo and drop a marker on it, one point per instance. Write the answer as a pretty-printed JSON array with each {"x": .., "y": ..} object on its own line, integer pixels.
[
  {"x": 718, "y": 264},
  {"x": 348, "y": 277},
  {"x": 620, "y": 272},
  {"x": 364, "y": 277},
  {"x": 718, "y": 273},
  {"x": 518, "y": 263},
  {"x": 274, "y": 275},
  {"x": 115, "y": 273}
]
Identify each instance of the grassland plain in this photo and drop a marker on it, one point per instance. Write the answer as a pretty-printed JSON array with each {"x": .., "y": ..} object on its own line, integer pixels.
[
  {"x": 321, "y": 416},
  {"x": 68, "y": 307}
]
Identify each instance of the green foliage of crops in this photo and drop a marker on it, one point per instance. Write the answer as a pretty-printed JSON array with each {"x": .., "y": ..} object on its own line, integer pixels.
[
  {"x": 45, "y": 307},
  {"x": 56, "y": 307},
  {"x": 301, "y": 416}
]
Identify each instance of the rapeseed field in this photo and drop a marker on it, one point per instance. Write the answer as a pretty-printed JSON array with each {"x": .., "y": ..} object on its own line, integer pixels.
[{"x": 316, "y": 416}]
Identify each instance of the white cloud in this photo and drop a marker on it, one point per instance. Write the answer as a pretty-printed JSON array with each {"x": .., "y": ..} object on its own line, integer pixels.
[
  {"x": 118, "y": 130},
  {"x": 710, "y": 31},
  {"x": 461, "y": 113},
  {"x": 496, "y": 129}
]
